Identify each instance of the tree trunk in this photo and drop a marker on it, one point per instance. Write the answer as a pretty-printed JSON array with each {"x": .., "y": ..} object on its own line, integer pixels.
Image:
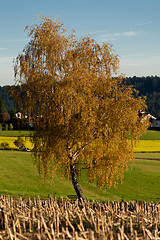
[{"x": 75, "y": 183}]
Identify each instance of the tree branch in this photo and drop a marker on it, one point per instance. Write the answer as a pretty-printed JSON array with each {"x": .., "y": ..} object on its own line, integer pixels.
[{"x": 76, "y": 154}]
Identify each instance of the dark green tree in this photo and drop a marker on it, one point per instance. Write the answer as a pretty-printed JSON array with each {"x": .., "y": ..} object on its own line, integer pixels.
[{"x": 2, "y": 109}]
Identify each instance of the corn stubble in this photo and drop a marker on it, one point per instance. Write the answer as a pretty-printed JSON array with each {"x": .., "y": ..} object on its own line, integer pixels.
[{"x": 68, "y": 219}]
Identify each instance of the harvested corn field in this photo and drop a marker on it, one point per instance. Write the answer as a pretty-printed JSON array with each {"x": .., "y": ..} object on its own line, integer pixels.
[{"x": 52, "y": 219}]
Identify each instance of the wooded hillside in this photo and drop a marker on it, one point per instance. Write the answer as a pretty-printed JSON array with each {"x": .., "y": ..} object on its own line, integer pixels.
[
  {"x": 147, "y": 86},
  {"x": 150, "y": 87}
]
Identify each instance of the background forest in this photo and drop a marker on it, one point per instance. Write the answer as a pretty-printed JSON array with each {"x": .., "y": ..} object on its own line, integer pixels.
[
  {"x": 147, "y": 86},
  {"x": 150, "y": 87}
]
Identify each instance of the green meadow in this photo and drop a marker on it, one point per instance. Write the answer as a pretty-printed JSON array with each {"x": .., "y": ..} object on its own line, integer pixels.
[
  {"x": 19, "y": 177},
  {"x": 15, "y": 133},
  {"x": 151, "y": 135}
]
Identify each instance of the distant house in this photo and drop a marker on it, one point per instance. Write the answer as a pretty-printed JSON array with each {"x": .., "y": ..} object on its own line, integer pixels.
[
  {"x": 18, "y": 115},
  {"x": 156, "y": 123},
  {"x": 147, "y": 116}
]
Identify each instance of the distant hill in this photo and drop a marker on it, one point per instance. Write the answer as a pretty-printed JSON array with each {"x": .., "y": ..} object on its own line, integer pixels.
[
  {"x": 5, "y": 93},
  {"x": 150, "y": 87},
  {"x": 147, "y": 86}
]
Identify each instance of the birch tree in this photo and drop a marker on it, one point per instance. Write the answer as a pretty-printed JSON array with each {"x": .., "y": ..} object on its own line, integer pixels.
[{"x": 83, "y": 115}]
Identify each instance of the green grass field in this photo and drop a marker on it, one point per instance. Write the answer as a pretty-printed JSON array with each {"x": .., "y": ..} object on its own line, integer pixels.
[
  {"x": 14, "y": 133},
  {"x": 151, "y": 135},
  {"x": 19, "y": 176}
]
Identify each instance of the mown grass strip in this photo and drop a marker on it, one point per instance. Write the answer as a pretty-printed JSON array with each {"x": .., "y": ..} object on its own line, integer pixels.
[
  {"x": 151, "y": 135},
  {"x": 15, "y": 133}
]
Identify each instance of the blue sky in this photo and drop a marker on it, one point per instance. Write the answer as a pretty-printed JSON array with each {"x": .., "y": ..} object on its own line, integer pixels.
[{"x": 133, "y": 27}]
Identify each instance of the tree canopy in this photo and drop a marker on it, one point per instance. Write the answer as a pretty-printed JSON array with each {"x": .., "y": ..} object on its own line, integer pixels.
[{"x": 82, "y": 114}]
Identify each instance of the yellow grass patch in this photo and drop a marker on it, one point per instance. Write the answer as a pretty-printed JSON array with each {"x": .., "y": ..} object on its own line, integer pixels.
[
  {"x": 141, "y": 146},
  {"x": 147, "y": 146},
  {"x": 10, "y": 141}
]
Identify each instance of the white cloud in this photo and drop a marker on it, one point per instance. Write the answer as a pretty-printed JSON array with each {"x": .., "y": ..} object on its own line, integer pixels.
[
  {"x": 128, "y": 34},
  {"x": 140, "y": 65},
  {"x": 6, "y": 59},
  {"x": 14, "y": 40},
  {"x": 144, "y": 23},
  {"x": 117, "y": 35},
  {"x": 17, "y": 40},
  {"x": 134, "y": 55},
  {"x": 6, "y": 75},
  {"x": 99, "y": 31},
  {"x": 141, "y": 59}
]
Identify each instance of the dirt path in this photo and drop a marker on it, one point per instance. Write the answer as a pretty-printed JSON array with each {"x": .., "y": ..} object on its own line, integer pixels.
[{"x": 154, "y": 159}]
